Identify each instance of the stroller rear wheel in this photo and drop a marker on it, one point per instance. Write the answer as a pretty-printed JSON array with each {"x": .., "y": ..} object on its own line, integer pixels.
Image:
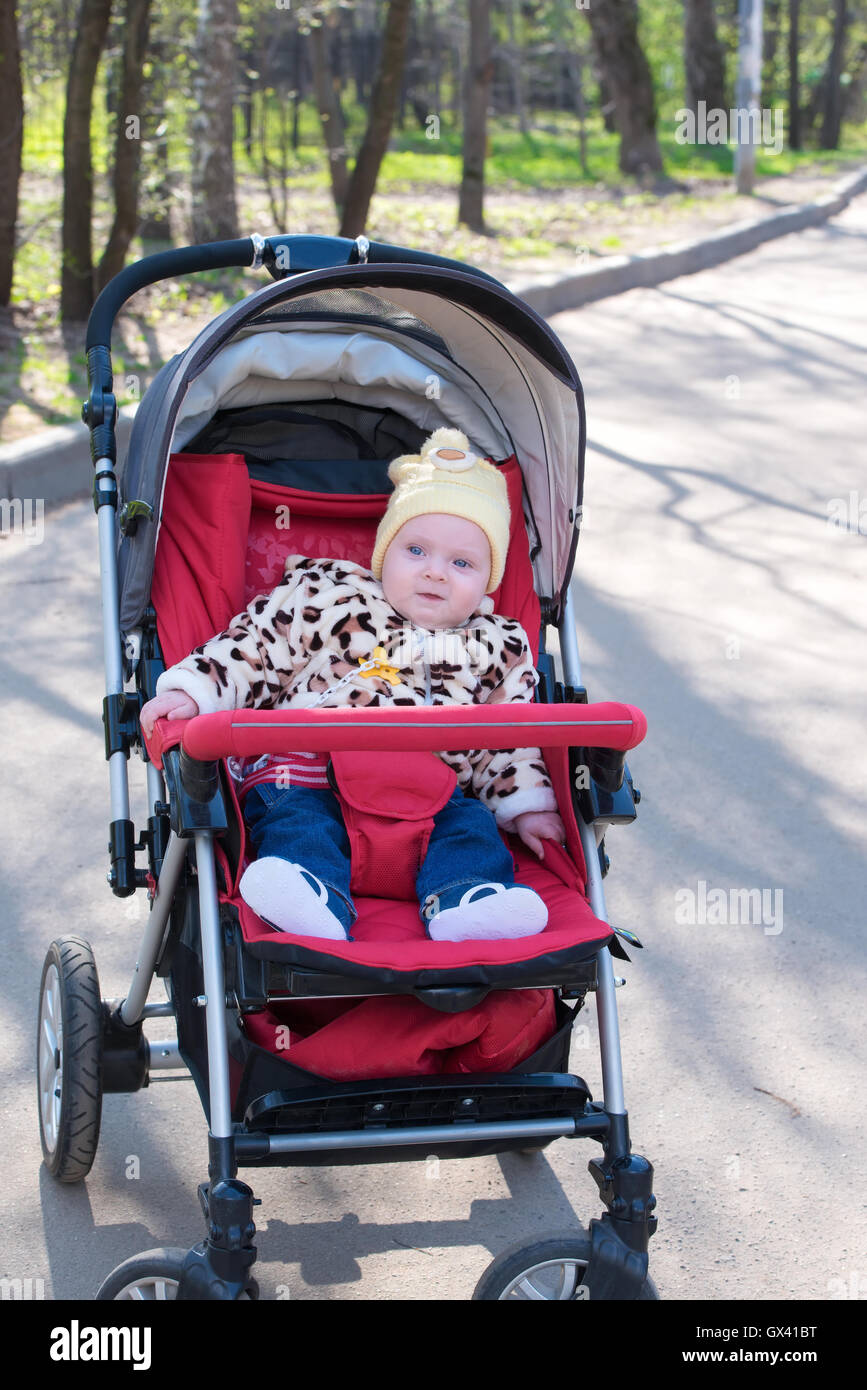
[
  {"x": 552, "y": 1269},
  {"x": 69, "y": 1059}
]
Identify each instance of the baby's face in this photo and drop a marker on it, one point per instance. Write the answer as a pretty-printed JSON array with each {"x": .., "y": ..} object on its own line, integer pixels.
[{"x": 436, "y": 570}]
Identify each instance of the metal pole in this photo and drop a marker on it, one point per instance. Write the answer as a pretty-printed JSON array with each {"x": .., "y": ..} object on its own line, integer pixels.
[
  {"x": 215, "y": 989},
  {"x": 748, "y": 93},
  {"x": 111, "y": 648},
  {"x": 606, "y": 998},
  {"x": 133, "y": 1005}
]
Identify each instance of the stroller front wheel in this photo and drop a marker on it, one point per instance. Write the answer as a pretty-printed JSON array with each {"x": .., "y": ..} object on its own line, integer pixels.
[
  {"x": 552, "y": 1269},
  {"x": 69, "y": 1059},
  {"x": 153, "y": 1277}
]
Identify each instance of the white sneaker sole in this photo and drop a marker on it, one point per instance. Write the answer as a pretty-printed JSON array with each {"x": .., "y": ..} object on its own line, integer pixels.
[
  {"x": 279, "y": 893},
  {"x": 504, "y": 914}
]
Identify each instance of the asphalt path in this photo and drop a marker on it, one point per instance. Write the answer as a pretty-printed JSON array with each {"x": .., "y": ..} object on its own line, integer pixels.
[{"x": 714, "y": 590}]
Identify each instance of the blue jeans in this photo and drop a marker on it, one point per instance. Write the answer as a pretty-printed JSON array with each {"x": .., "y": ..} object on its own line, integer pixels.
[{"x": 305, "y": 825}]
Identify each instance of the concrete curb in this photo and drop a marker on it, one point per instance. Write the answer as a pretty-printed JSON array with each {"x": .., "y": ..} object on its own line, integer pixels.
[
  {"x": 615, "y": 274},
  {"x": 54, "y": 465}
]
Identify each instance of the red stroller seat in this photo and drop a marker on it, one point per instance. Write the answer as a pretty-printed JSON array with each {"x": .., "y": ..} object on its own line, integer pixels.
[{"x": 223, "y": 540}]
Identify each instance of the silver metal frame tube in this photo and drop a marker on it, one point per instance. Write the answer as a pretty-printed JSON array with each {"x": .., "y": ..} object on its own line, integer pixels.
[
  {"x": 111, "y": 648},
  {"x": 133, "y": 1006},
  {"x": 420, "y": 1134},
  {"x": 606, "y": 998},
  {"x": 215, "y": 989},
  {"x": 156, "y": 786},
  {"x": 163, "y": 1055}
]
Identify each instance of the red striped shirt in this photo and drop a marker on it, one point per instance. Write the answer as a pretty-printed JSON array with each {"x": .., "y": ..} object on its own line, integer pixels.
[{"x": 302, "y": 769}]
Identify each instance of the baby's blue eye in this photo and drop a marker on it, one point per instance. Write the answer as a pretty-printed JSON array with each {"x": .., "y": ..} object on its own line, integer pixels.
[{"x": 457, "y": 562}]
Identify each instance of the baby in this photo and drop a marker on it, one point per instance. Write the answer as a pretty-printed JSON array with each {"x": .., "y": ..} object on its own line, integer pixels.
[{"x": 415, "y": 628}]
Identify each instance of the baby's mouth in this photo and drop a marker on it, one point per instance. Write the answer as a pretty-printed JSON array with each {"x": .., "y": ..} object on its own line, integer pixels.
[{"x": 438, "y": 597}]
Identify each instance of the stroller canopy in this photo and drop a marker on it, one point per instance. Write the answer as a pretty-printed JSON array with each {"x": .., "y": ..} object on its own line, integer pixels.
[{"x": 436, "y": 347}]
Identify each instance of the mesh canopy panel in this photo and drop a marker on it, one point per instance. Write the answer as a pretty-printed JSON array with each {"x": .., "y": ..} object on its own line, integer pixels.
[{"x": 356, "y": 306}]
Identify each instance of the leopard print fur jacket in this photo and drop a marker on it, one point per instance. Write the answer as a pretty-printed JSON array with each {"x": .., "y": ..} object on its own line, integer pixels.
[{"x": 302, "y": 644}]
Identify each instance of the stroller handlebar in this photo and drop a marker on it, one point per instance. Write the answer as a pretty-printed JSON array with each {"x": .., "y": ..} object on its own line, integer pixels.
[
  {"x": 282, "y": 255},
  {"x": 445, "y": 728}
]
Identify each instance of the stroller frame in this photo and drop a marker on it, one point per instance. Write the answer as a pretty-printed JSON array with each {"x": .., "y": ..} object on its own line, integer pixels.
[{"x": 219, "y": 1267}]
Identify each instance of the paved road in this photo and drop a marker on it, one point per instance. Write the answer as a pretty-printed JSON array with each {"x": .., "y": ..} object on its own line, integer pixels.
[{"x": 726, "y": 412}]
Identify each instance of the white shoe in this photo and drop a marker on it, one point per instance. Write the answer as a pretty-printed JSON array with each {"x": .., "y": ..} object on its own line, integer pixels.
[
  {"x": 504, "y": 913},
  {"x": 282, "y": 895}
]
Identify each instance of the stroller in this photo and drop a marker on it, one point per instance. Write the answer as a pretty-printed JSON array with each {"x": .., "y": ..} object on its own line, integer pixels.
[{"x": 269, "y": 436}]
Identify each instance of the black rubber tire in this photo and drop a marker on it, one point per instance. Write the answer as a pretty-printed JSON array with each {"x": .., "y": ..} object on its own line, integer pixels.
[
  {"x": 164, "y": 1263},
  {"x": 521, "y": 1258},
  {"x": 80, "y": 1084}
]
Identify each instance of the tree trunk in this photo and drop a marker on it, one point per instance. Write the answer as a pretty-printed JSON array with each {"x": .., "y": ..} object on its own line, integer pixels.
[
  {"x": 575, "y": 59},
  {"x": 386, "y": 89},
  {"x": 703, "y": 56},
  {"x": 155, "y": 178},
  {"x": 614, "y": 26},
  {"x": 853, "y": 99},
  {"x": 11, "y": 136},
  {"x": 297, "y": 61},
  {"x": 771, "y": 31},
  {"x": 76, "y": 275},
  {"x": 214, "y": 211},
  {"x": 832, "y": 114},
  {"x": 457, "y": 85},
  {"x": 794, "y": 78},
  {"x": 246, "y": 100},
  {"x": 477, "y": 85},
  {"x": 127, "y": 141},
  {"x": 330, "y": 111},
  {"x": 434, "y": 55}
]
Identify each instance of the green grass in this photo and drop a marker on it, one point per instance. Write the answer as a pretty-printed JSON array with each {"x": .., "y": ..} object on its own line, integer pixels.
[{"x": 546, "y": 158}]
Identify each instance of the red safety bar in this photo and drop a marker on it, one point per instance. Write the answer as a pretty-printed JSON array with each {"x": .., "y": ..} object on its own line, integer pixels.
[{"x": 444, "y": 728}]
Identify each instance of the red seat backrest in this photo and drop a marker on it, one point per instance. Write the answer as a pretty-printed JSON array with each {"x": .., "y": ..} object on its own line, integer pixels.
[{"x": 224, "y": 538}]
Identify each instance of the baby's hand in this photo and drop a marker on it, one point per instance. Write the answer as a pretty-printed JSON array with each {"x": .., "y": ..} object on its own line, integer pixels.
[
  {"x": 536, "y": 826},
  {"x": 174, "y": 704}
]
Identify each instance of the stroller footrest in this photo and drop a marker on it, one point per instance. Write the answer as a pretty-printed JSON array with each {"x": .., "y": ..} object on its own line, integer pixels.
[{"x": 411, "y": 1105}]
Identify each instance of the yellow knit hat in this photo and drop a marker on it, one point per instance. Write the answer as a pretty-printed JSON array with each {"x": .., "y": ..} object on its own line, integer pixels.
[{"x": 461, "y": 485}]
